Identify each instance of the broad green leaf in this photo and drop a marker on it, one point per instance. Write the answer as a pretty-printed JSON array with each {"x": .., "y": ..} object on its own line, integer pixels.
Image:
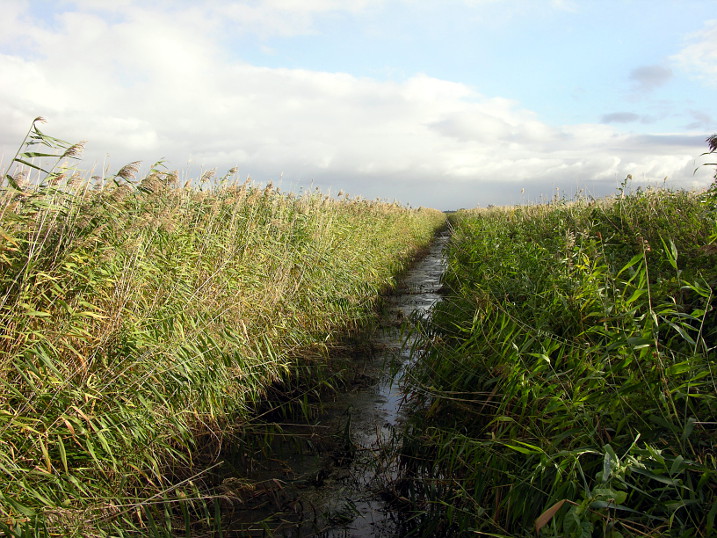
[
  {"x": 525, "y": 449},
  {"x": 637, "y": 258},
  {"x": 63, "y": 454},
  {"x": 678, "y": 465},
  {"x": 31, "y": 165},
  {"x": 33, "y": 154},
  {"x": 610, "y": 460},
  {"x": 658, "y": 478},
  {"x": 638, "y": 342},
  {"x": 639, "y": 292}
]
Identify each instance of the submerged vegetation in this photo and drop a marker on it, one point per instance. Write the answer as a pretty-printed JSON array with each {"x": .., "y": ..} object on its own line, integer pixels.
[
  {"x": 142, "y": 323},
  {"x": 567, "y": 384}
]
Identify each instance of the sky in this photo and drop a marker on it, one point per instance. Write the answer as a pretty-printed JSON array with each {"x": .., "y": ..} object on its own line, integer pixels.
[{"x": 437, "y": 103}]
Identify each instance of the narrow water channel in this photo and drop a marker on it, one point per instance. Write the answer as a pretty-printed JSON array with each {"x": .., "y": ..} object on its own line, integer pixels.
[{"x": 330, "y": 478}]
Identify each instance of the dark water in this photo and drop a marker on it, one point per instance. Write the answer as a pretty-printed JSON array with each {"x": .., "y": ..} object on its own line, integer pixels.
[{"x": 333, "y": 477}]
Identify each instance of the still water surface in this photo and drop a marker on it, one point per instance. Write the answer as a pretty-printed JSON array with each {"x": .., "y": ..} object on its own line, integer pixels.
[{"x": 332, "y": 478}]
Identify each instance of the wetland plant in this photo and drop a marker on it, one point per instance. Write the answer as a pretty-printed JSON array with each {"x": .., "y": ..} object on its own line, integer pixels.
[
  {"x": 143, "y": 324},
  {"x": 569, "y": 384}
]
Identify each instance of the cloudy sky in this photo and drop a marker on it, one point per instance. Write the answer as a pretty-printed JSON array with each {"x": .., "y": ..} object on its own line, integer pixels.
[{"x": 441, "y": 103}]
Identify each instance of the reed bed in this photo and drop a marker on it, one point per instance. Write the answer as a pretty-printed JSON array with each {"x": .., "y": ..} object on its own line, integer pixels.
[
  {"x": 567, "y": 385},
  {"x": 143, "y": 321}
]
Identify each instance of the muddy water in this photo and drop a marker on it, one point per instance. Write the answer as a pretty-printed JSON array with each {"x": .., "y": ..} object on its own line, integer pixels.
[{"x": 331, "y": 478}]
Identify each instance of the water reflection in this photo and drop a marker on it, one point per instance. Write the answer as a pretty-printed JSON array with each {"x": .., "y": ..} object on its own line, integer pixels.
[{"x": 330, "y": 478}]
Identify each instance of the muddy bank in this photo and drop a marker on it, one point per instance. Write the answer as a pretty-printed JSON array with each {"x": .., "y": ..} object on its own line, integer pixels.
[{"x": 333, "y": 476}]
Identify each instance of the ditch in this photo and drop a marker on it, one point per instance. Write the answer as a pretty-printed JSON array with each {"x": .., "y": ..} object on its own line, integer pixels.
[{"x": 334, "y": 476}]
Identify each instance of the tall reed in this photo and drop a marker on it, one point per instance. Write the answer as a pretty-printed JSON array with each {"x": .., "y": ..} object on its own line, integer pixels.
[
  {"x": 569, "y": 384},
  {"x": 142, "y": 323}
]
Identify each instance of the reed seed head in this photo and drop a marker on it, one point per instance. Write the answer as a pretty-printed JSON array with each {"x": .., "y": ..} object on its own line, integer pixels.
[
  {"x": 55, "y": 179},
  {"x": 121, "y": 193},
  {"x": 172, "y": 178},
  {"x": 569, "y": 240},
  {"x": 129, "y": 171},
  {"x": 20, "y": 179},
  {"x": 206, "y": 176},
  {"x": 75, "y": 150},
  {"x": 74, "y": 180},
  {"x": 151, "y": 183}
]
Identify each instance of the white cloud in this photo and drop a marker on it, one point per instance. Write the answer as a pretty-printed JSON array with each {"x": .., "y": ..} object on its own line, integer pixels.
[
  {"x": 564, "y": 5},
  {"x": 283, "y": 17},
  {"x": 699, "y": 56},
  {"x": 320, "y": 5},
  {"x": 138, "y": 88},
  {"x": 12, "y": 29},
  {"x": 474, "y": 3}
]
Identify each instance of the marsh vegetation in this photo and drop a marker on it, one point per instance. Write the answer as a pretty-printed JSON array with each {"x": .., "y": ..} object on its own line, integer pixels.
[
  {"x": 143, "y": 322},
  {"x": 569, "y": 385},
  {"x": 153, "y": 329}
]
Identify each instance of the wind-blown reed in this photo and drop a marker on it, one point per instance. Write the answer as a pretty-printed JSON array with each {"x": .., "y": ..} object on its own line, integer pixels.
[{"x": 141, "y": 323}]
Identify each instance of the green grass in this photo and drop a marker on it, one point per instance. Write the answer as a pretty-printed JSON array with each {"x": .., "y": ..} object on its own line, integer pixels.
[
  {"x": 572, "y": 365},
  {"x": 143, "y": 322}
]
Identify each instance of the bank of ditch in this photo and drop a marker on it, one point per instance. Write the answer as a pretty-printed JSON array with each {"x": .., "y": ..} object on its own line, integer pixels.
[
  {"x": 145, "y": 321},
  {"x": 331, "y": 465},
  {"x": 566, "y": 384}
]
